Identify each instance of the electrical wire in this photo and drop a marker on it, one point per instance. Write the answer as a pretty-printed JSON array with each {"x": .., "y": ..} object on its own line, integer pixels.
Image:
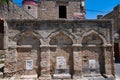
[{"x": 97, "y": 11}]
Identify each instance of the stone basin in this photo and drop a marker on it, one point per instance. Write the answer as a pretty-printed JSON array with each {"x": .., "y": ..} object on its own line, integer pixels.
[{"x": 62, "y": 76}]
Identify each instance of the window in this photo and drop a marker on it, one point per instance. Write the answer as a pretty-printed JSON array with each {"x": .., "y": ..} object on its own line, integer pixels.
[
  {"x": 29, "y": 7},
  {"x": 62, "y": 12}
]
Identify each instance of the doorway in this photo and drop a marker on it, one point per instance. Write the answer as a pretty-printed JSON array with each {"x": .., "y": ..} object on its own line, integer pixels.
[{"x": 116, "y": 54}]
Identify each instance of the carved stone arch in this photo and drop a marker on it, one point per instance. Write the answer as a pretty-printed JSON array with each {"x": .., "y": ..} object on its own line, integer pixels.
[
  {"x": 27, "y": 33},
  {"x": 94, "y": 33},
  {"x": 65, "y": 32},
  {"x": 60, "y": 38}
]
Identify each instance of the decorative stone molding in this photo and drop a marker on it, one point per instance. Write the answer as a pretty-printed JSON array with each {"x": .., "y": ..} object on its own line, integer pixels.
[
  {"x": 44, "y": 40},
  {"x": 94, "y": 32}
]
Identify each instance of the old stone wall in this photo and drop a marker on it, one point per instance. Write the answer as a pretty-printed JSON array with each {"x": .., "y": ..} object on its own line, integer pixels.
[
  {"x": 31, "y": 9},
  {"x": 46, "y": 10},
  {"x": 41, "y": 42},
  {"x": 49, "y": 10},
  {"x": 14, "y": 12},
  {"x": 115, "y": 15}
]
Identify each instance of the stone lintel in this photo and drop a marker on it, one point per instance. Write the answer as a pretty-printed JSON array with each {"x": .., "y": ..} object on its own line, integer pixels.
[
  {"x": 55, "y": 46},
  {"x": 44, "y": 45},
  {"x": 77, "y": 45},
  {"x": 92, "y": 45},
  {"x": 24, "y": 46},
  {"x": 12, "y": 46},
  {"x": 107, "y": 45}
]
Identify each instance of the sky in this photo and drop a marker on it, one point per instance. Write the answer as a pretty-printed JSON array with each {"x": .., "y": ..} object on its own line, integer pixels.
[{"x": 94, "y": 7}]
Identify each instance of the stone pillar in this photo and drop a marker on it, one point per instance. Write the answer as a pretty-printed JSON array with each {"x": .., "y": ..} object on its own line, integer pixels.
[
  {"x": 108, "y": 59},
  {"x": 5, "y": 39},
  {"x": 10, "y": 62},
  {"x": 77, "y": 56},
  {"x": 45, "y": 63},
  {"x": 10, "y": 53}
]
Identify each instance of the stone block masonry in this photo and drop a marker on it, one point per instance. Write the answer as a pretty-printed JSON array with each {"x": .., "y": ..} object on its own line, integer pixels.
[{"x": 80, "y": 43}]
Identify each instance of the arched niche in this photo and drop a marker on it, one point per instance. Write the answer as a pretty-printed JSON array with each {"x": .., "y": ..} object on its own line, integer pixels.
[
  {"x": 60, "y": 39},
  {"x": 28, "y": 47},
  {"x": 92, "y": 52},
  {"x": 26, "y": 38},
  {"x": 93, "y": 34},
  {"x": 61, "y": 47},
  {"x": 92, "y": 39}
]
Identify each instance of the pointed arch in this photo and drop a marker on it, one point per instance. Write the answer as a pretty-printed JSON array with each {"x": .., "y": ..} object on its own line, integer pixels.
[
  {"x": 95, "y": 33},
  {"x": 60, "y": 39},
  {"x": 28, "y": 33},
  {"x": 65, "y": 32}
]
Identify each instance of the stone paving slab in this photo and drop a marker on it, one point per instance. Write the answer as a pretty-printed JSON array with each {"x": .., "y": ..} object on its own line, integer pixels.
[{"x": 84, "y": 78}]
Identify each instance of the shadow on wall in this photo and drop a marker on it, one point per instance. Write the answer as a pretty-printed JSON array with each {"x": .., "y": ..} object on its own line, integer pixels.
[{"x": 1, "y": 34}]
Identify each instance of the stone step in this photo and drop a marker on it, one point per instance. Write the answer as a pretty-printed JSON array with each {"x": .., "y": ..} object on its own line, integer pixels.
[{"x": 30, "y": 77}]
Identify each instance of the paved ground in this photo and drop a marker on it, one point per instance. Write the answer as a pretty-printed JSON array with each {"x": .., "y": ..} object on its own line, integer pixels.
[{"x": 117, "y": 71}]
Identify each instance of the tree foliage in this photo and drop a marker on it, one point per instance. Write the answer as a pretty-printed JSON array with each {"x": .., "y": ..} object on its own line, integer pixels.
[{"x": 2, "y": 2}]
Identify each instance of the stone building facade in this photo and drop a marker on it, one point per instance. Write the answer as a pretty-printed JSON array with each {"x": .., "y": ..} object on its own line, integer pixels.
[
  {"x": 44, "y": 10},
  {"x": 60, "y": 9},
  {"x": 13, "y": 11},
  {"x": 55, "y": 9},
  {"x": 49, "y": 44},
  {"x": 115, "y": 16},
  {"x": 50, "y": 48}
]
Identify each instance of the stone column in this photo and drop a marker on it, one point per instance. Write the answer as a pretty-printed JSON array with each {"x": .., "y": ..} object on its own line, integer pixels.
[
  {"x": 77, "y": 56},
  {"x": 45, "y": 63},
  {"x": 10, "y": 62},
  {"x": 10, "y": 54},
  {"x": 108, "y": 59},
  {"x": 5, "y": 39}
]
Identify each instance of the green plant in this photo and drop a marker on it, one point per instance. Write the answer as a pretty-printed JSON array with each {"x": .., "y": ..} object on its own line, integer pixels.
[
  {"x": 1, "y": 62},
  {"x": 4, "y": 2}
]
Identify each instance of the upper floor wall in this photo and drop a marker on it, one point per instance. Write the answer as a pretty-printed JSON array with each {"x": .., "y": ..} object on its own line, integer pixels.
[
  {"x": 45, "y": 10},
  {"x": 52, "y": 9},
  {"x": 14, "y": 12},
  {"x": 61, "y": 9}
]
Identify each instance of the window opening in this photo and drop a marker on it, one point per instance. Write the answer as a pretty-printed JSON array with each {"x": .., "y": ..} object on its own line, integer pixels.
[
  {"x": 1, "y": 27},
  {"x": 29, "y": 7},
  {"x": 62, "y": 12}
]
